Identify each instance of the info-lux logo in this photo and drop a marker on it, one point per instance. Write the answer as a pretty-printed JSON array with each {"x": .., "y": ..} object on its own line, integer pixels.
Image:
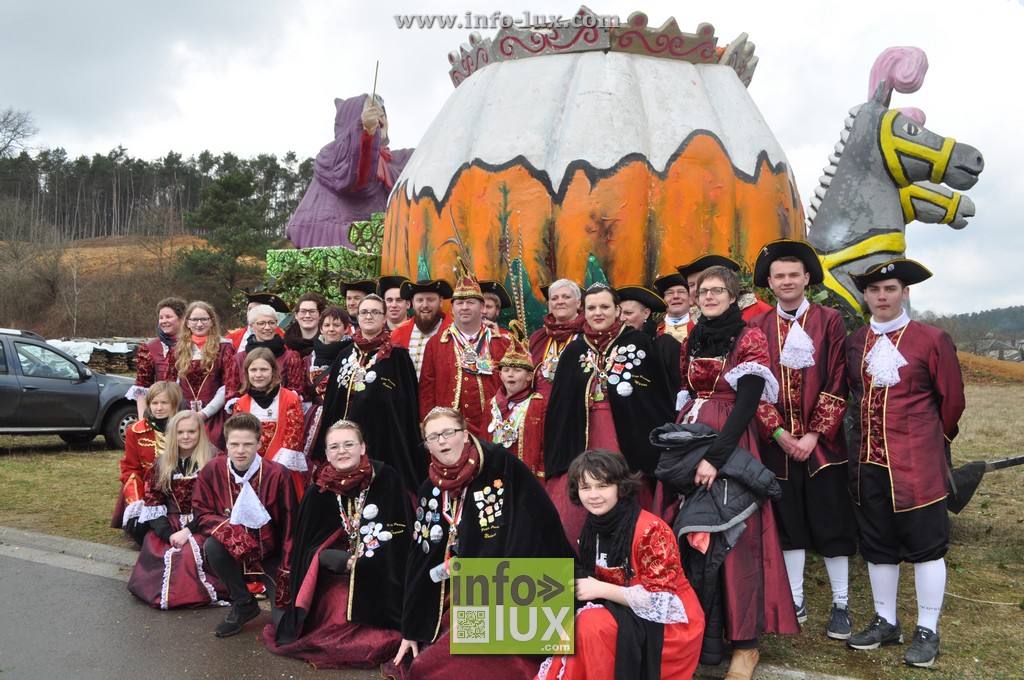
[{"x": 512, "y": 606}]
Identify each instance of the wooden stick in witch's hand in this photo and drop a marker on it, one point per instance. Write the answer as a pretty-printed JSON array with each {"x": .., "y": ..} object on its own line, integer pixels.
[{"x": 373, "y": 97}]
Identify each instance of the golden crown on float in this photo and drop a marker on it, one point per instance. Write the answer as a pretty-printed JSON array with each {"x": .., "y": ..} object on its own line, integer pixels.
[{"x": 586, "y": 31}]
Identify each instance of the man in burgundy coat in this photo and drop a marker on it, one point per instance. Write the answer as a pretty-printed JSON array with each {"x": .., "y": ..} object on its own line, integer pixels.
[
  {"x": 907, "y": 394},
  {"x": 803, "y": 440}
]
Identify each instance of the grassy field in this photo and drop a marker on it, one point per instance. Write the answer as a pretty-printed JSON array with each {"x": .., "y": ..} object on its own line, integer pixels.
[
  {"x": 982, "y": 624},
  {"x": 47, "y": 487}
]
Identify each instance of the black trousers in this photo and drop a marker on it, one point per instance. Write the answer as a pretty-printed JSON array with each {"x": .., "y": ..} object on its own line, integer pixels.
[
  {"x": 229, "y": 571},
  {"x": 889, "y": 537},
  {"x": 816, "y": 513}
]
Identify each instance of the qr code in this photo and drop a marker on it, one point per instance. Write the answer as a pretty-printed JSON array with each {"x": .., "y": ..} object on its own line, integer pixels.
[{"x": 472, "y": 624}]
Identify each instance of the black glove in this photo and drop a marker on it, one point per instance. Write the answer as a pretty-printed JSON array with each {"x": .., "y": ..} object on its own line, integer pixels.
[{"x": 335, "y": 560}]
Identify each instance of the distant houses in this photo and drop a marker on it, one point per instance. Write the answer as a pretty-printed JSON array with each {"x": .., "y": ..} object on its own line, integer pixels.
[{"x": 1001, "y": 349}]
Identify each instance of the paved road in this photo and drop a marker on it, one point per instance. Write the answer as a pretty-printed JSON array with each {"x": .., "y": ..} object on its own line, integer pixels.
[
  {"x": 66, "y": 614},
  {"x": 64, "y": 622}
]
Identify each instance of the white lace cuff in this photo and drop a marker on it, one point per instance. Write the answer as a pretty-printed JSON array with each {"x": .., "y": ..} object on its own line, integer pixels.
[
  {"x": 152, "y": 512},
  {"x": 229, "y": 407},
  {"x": 313, "y": 429},
  {"x": 291, "y": 459},
  {"x": 215, "y": 405},
  {"x": 131, "y": 512},
  {"x": 658, "y": 607},
  {"x": 682, "y": 399},
  {"x": 136, "y": 391},
  {"x": 771, "y": 385}
]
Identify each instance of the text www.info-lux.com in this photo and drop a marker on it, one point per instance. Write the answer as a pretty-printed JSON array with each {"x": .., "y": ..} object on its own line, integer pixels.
[{"x": 496, "y": 20}]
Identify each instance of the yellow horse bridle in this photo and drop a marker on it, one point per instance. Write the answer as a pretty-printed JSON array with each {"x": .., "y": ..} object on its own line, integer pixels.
[
  {"x": 895, "y": 242},
  {"x": 893, "y": 147}
]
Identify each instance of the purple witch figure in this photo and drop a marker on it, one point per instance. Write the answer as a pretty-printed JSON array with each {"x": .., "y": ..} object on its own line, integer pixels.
[{"x": 352, "y": 178}]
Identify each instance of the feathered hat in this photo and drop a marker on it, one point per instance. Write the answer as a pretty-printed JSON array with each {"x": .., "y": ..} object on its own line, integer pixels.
[
  {"x": 518, "y": 353},
  {"x": 466, "y": 285}
]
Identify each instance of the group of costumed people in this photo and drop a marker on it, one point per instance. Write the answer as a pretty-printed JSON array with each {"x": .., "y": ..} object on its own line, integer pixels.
[{"x": 690, "y": 467}]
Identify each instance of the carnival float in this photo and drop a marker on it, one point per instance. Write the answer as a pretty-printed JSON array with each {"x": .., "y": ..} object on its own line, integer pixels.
[{"x": 617, "y": 152}]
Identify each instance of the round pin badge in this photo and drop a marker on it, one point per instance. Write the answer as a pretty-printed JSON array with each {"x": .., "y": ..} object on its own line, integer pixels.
[{"x": 624, "y": 389}]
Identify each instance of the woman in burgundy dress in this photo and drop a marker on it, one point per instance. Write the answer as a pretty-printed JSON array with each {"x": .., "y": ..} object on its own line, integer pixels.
[
  {"x": 203, "y": 363},
  {"x": 728, "y": 374},
  {"x": 151, "y": 358},
  {"x": 169, "y": 572}
]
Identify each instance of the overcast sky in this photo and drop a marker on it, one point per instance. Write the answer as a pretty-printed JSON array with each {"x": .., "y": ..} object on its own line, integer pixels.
[{"x": 260, "y": 76}]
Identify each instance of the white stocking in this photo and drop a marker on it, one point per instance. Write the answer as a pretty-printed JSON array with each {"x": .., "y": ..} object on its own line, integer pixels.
[
  {"x": 838, "y": 569},
  {"x": 930, "y": 581},
  {"x": 795, "y": 569},
  {"x": 885, "y": 582}
]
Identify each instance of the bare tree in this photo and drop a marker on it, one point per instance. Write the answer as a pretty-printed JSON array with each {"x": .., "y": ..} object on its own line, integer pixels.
[{"x": 16, "y": 128}]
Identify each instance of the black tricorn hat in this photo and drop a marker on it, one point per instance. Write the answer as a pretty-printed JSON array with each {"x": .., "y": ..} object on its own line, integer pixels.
[
  {"x": 364, "y": 285},
  {"x": 648, "y": 298},
  {"x": 787, "y": 248},
  {"x": 439, "y": 286},
  {"x": 271, "y": 299},
  {"x": 386, "y": 283},
  {"x": 907, "y": 271},
  {"x": 704, "y": 262},
  {"x": 496, "y": 288},
  {"x": 663, "y": 283}
]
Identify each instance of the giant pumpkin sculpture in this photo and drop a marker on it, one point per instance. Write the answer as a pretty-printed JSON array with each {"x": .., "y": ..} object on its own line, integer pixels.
[{"x": 590, "y": 151}]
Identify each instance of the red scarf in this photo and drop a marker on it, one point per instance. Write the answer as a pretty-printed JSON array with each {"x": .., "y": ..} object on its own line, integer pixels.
[
  {"x": 560, "y": 332},
  {"x": 503, "y": 401},
  {"x": 457, "y": 475},
  {"x": 600, "y": 339},
  {"x": 330, "y": 479},
  {"x": 199, "y": 340},
  {"x": 380, "y": 344},
  {"x": 382, "y": 166}
]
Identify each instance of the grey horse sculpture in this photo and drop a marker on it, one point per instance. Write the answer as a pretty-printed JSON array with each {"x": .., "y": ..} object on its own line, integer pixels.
[{"x": 887, "y": 170}]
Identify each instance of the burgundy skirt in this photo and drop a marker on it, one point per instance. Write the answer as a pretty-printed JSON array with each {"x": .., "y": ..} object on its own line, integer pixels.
[
  {"x": 329, "y": 639},
  {"x": 167, "y": 578}
]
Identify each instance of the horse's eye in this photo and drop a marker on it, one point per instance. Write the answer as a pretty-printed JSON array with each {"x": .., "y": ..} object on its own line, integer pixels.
[{"x": 911, "y": 129}]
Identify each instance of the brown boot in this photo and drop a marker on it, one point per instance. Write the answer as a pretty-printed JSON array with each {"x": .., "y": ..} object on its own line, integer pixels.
[{"x": 743, "y": 663}]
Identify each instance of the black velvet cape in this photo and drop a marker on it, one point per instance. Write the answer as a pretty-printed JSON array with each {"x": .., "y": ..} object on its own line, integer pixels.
[
  {"x": 377, "y": 583},
  {"x": 650, "y": 404},
  {"x": 388, "y": 412},
  {"x": 528, "y": 526}
]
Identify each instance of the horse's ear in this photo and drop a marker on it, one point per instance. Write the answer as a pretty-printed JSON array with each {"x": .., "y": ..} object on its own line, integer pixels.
[{"x": 883, "y": 94}]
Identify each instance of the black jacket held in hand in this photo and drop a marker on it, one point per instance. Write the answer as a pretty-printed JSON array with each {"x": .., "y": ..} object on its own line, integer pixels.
[{"x": 742, "y": 486}]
